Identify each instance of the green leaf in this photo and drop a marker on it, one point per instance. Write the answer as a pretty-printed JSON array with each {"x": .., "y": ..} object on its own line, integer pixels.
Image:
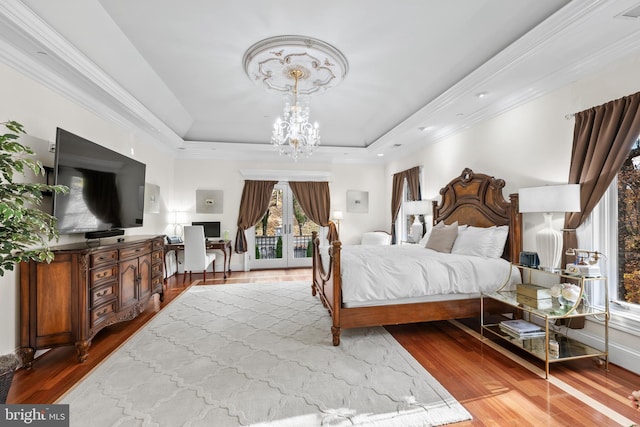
[{"x": 23, "y": 226}]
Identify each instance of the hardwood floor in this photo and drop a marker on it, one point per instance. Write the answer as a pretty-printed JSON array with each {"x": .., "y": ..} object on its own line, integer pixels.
[{"x": 494, "y": 388}]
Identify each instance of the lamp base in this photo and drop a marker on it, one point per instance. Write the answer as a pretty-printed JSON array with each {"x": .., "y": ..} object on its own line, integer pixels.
[
  {"x": 416, "y": 231},
  {"x": 549, "y": 245}
]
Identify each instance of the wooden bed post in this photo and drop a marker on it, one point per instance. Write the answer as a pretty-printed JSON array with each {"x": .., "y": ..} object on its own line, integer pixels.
[
  {"x": 337, "y": 292},
  {"x": 515, "y": 226},
  {"x": 314, "y": 267}
]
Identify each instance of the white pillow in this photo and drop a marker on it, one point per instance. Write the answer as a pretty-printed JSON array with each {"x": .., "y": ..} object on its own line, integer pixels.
[
  {"x": 498, "y": 240},
  {"x": 486, "y": 242},
  {"x": 473, "y": 241},
  {"x": 425, "y": 238}
]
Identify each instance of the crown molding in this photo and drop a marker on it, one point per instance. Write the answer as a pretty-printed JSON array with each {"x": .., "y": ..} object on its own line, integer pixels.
[
  {"x": 524, "y": 52},
  {"x": 101, "y": 94},
  {"x": 284, "y": 175}
]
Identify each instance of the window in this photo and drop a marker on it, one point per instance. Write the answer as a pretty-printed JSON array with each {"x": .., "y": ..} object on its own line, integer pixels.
[
  {"x": 614, "y": 229},
  {"x": 628, "y": 185}
]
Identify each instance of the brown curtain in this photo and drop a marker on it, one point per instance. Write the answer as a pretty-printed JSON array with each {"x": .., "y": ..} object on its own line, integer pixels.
[
  {"x": 315, "y": 200},
  {"x": 413, "y": 183},
  {"x": 602, "y": 139},
  {"x": 253, "y": 205}
]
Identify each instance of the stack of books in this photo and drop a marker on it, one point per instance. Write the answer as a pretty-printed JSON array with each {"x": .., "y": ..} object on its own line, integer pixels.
[
  {"x": 521, "y": 329},
  {"x": 535, "y": 296}
]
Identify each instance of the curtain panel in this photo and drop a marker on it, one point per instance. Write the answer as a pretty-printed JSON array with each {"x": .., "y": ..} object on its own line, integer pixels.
[
  {"x": 315, "y": 201},
  {"x": 253, "y": 205},
  {"x": 412, "y": 176},
  {"x": 602, "y": 139}
]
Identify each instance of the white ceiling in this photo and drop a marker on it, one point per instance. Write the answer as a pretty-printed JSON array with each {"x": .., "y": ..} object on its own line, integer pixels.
[{"x": 174, "y": 68}]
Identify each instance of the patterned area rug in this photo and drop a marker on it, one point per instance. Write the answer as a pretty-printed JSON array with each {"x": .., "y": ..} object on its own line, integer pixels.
[{"x": 258, "y": 354}]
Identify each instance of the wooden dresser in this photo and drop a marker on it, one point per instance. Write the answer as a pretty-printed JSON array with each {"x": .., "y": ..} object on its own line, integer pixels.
[{"x": 84, "y": 289}]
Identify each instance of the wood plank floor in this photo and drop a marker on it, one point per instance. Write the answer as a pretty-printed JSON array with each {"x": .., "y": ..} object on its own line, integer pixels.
[{"x": 494, "y": 388}]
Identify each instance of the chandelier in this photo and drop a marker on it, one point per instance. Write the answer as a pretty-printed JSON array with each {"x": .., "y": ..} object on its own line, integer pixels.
[
  {"x": 294, "y": 135},
  {"x": 298, "y": 67}
]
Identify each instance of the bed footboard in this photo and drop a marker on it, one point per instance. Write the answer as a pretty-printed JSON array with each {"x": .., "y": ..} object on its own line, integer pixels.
[{"x": 326, "y": 283}]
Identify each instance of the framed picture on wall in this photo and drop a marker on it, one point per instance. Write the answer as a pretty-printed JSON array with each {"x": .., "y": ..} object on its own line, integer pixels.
[
  {"x": 357, "y": 201},
  {"x": 151, "y": 198},
  {"x": 209, "y": 201}
]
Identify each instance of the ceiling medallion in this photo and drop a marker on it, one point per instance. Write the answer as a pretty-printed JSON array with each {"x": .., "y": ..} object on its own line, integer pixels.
[
  {"x": 298, "y": 67},
  {"x": 270, "y": 62}
]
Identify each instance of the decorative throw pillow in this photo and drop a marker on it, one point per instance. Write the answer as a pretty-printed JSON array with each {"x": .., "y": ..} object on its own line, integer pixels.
[{"x": 442, "y": 237}]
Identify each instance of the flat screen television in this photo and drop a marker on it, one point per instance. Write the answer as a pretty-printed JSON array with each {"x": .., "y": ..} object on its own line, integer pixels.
[
  {"x": 106, "y": 189},
  {"x": 211, "y": 228}
]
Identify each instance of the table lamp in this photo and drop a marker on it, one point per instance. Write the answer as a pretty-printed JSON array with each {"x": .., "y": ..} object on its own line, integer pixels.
[
  {"x": 549, "y": 199},
  {"x": 417, "y": 208}
]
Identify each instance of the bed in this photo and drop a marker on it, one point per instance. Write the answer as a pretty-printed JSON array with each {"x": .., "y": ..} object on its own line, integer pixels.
[{"x": 471, "y": 199}]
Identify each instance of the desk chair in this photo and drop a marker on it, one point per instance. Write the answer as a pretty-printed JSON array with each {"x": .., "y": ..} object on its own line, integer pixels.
[{"x": 196, "y": 256}]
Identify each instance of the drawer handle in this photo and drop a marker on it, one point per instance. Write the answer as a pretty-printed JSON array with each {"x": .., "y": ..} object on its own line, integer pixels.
[
  {"x": 103, "y": 274},
  {"x": 101, "y": 293},
  {"x": 102, "y": 312}
]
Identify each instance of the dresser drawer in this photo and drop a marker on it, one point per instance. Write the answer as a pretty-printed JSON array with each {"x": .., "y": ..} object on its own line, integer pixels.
[
  {"x": 102, "y": 313},
  {"x": 156, "y": 270},
  {"x": 135, "y": 251},
  {"x": 103, "y": 294},
  {"x": 105, "y": 257},
  {"x": 156, "y": 257},
  {"x": 158, "y": 244},
  {"x": 101, "y": 275}
]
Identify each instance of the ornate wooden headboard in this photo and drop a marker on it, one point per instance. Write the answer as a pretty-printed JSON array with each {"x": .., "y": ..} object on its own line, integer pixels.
[{"x": 476, "y": 199}]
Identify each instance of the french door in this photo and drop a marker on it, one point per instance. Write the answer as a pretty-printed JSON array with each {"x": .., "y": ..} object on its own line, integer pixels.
[{"x": 283, "y": 235}]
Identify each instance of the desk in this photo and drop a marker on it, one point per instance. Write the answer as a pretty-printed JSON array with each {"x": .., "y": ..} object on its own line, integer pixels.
[{"x": 222, "y": 245}]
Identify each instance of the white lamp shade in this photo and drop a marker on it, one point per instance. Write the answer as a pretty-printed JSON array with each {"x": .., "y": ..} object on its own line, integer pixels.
[
  {"x": 338, "y": 215},
  {"x": 417, "y": 207},
  {"x": 550, "y": 198}
]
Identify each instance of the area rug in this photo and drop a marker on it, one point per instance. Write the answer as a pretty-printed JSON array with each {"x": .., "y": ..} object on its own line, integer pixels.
[{"x": 258, "y": 355}]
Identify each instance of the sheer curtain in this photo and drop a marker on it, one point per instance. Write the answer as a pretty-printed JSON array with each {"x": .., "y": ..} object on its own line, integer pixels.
[
  {"x": 602, "y": 139},
  {"x": 315, "y": 200},
  {"x": 253, "y": 205},
  {"x": 412, "y": 177}
]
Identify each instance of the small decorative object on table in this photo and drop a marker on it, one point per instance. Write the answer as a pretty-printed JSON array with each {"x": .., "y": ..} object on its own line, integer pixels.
[
  {"x": 566, "y": 293},
  {"x": 8, "y": 365}
]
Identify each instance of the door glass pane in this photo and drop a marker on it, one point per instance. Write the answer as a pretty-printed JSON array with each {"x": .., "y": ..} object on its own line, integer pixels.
[
  {"x": 302, "y": 229},
  {"x": 269, "y": 229},
  {"x": 629, "y": 227}
]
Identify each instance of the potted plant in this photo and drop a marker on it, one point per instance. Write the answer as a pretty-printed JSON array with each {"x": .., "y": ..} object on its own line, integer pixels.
[
  {"x": 8, "y": 365},
  {"x": 25, "y": 230}
]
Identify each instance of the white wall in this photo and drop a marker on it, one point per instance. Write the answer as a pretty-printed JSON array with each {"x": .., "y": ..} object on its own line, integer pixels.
[
  {"x": 225, "y": 175},
  {"x": 531, "y": 146},
  {"x": 41, "y": 111}
]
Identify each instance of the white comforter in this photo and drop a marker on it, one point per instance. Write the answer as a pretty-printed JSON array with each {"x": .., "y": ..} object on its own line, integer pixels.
[{"x": 378, "y": 273}]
